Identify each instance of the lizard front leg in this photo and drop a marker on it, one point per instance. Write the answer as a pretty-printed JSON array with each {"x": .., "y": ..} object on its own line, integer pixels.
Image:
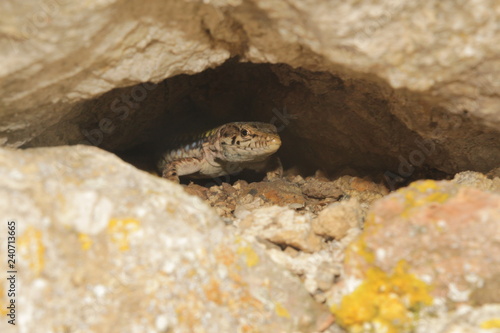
[{"x": 180, "y": 167}]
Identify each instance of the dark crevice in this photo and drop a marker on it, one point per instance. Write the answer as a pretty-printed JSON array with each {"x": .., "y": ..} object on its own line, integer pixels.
[{"x": 327, "y": 122}]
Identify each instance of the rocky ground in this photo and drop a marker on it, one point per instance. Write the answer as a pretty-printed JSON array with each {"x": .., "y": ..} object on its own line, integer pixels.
[
  {"x": 432, "y": 244},
  {"x": 290, "y": 255}
]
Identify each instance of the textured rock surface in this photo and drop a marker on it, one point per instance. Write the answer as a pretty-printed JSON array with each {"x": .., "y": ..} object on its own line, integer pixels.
[
  {"x": 335, "y": 220},
  {"x": 103, "y": 247},
  {"x": 433, "y": 243},
  {"x": 482, "y": 319},
  {"x": 56, "y": 54},
  {"x": 380, "y": 83},
  {"x": 281, "y": 226}
]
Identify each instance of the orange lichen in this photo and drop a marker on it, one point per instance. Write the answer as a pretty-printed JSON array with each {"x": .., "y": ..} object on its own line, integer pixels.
[
  {"x": 224, "y": 255},
  {"x": 245, "y": 300},
  {"x": 120, "y": 231},
  {"x": 213, "y": 292},
  {"x": 188, "y": 311},
  {"x": 32, "y": 250},
  {"x": 386, "y": 303},
  {"x": 245, "y": 328}
]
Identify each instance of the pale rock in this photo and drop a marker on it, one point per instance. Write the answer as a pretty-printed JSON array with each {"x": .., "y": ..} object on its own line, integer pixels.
[
  {"x": 282, "y": 226},
  {"x": 446, "y": 231},
  {"x": 398, "y": 74},
  {"x": 477, "y": 180},
  {"x": 336, "y": 219},
  {"x": 103, "y": 247},
  {"x": 463, "y": 320}
]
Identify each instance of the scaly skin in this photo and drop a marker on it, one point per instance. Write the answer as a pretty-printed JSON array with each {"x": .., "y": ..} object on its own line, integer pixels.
[{"x": 225, "y": 150}]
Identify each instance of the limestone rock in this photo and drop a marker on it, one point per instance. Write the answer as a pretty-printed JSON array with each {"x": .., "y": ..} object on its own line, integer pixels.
[
  {"x": 103, "y": 247},
  {"x": 429, "y": 244},
  {"x": 464, "y": 320},
  {"x": 74, "y": 51},
  {"x": 383, "y": 85},
  {"x": 335, "y": 220},
  {"x": 282, "y": 226},
  {"x": 444, "y": 231},
  {"x": 319, "y": 189},
  {"x": 477, "y": 180}
]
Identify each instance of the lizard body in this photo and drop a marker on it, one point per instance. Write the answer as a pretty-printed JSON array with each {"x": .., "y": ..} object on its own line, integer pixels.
[{"x": 224, "y": 150}]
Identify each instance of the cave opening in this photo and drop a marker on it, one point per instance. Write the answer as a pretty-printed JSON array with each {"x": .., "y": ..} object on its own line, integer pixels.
[
  {"x": 333, "y": 123},
  {"x": 329, "y": 123}
]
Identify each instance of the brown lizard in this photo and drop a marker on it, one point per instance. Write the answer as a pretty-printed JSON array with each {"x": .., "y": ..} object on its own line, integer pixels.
[{"x": 224, "y": 150}]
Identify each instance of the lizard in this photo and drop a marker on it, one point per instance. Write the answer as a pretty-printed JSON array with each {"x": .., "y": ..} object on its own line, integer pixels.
[{"x": 224, "y": 150}]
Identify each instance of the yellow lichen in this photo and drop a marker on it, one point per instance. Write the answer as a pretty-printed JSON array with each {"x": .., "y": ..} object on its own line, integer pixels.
[
  {"x": 32, "y": 250},
  {"x": 421, "y": 193},
  {"x": 252, "y": 258},
  {"x": 85, "y": 241},
  {"x": 281, "y": 310},
  {"x": 386, "y": 303},
  {"x": 120, "y": 231},
  {"x": 359, "y": 247},
  {"x": 424, "y": 186},
  {"x": 492, "y": 323}
]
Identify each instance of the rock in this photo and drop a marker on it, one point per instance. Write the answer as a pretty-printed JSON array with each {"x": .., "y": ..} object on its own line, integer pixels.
[
  {"x": 335, "y": 220},
  {"x": 364, "y": 85},
  {"x": 319, "y": 270},
  {"x": 197, "y": 190},
  {"x": 104, "y": 247},
  {"x": 365, "y": 185},
  {"x": 319, "y": 189},
  {"x": 239, "y": 199},
  {"x": 464, "y": 320},
  {"x": 432, "y": 242},
  {"x": 487, "y": 292},
  {"x": 477, "y": 180},
  {"x": 282, "y": 226},
  {"x": 278, "y": 192}
]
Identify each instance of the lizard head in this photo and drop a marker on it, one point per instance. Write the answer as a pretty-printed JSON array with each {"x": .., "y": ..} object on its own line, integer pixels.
[{"x": 248, "y": 141}]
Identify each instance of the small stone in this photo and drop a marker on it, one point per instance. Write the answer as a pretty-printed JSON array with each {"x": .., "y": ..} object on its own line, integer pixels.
[
  {"x": 296, "y": 206},
  {"x": 325, "y": 276},
  {"x": 319, "y": 189},
  {"x": 360, "y": 184},
  {"x": 282, "y": 226},
  {"x": 335, "y": 220},
  {"x": 197, "y": 190},
  {"x": 474, "y": 179},
  {"x": 321, "y": 175},
  {"x": 279, "y": 192},
  {"x": 291, "y": 251},
  {"x": 228, "y": 188}
]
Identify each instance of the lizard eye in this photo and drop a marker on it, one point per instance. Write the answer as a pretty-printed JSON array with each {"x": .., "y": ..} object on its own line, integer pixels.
[{"x": 244, "y": 132}]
